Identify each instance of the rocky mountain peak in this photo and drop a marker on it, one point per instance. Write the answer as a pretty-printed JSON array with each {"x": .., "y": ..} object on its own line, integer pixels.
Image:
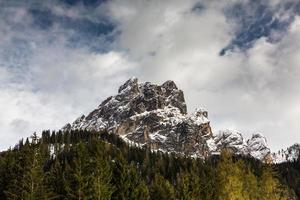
[
  {"x": 292, "y": 153},
  {"x": 130, "y": 85},
  {"x": 148, "y": 114},
  {"x": 169, "y": 86},
  {"x": 230, "y": 139},
  {"x": 258, "y": 136},
  {"x": 151, "y": 115},
  {"x": 258, "y": 141},
  {"x": 256, "y": 146},
  {"x": 201, "y": 112}
]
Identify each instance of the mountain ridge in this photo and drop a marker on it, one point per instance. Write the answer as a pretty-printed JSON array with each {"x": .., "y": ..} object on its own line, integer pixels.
[{"x": 156, "y": 116}]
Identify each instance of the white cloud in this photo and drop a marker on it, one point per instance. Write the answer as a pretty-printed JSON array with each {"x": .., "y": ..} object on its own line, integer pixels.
[
  {"x": 159, "y": 40},
  {"x": 250, "y": 92},
  {"x": 44, "y": 83},
  {"x": 63, "y": 85}
]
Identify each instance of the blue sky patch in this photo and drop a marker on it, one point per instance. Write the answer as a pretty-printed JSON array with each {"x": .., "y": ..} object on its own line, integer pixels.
[
  {"x": 255, "y": 20},
  {"x": 83, "y": 2}
]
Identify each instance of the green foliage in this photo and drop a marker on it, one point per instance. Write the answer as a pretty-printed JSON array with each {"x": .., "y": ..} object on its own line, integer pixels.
[
  {"x": 289, "y": 174},
  {"x": 270, "y": 187},
  {"x": 237, "y": 182},
  {"x": 30, "y": 182},
  {"x": 97, "y": 165},
  {"x": 229, "y": 178},
  {"x": 162, "y": 189}
]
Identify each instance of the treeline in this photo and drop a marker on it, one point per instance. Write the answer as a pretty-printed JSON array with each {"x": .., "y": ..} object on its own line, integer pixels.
[
  {"x": 289, "y": 174},
  {"x": 92, "y": 165}
]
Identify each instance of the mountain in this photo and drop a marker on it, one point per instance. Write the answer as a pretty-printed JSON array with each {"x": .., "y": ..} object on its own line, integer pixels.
[
  {"x": 256, "y": 146},
  {"x": 151, "y": 115},
  {"x": 147, "y": 114},
  {"x": 292, "y": 153}
]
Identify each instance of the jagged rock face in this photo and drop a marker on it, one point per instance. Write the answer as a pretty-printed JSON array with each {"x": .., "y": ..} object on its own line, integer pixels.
[
  {"x": 156, "y": 116},
  {"x": 292, "y": 153},
  {"x": 151, "y": 115},
  {"x": 230, "y": 140},
  {"x": 168, "y": 130},
  {"x": 256, "y": 146},
  {"x": 132, "y": 98}
]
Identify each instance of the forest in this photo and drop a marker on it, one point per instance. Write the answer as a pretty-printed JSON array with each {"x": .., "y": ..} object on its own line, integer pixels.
[{"x": 98, "y": 165}]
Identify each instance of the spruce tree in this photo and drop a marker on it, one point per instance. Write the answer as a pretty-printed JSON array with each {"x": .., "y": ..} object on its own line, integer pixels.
[
  {"x": 229, "y": 176},
  {"x": 30, "y": 185},
  {"x": 100, "y": 167},
  {"x": 270, "y": 187},
  {"x": 77, "y": 174},
  {"x": 250, "y": 185},
  {"x": 161, "y": 189},
  {"x": 128, "y": 183}
]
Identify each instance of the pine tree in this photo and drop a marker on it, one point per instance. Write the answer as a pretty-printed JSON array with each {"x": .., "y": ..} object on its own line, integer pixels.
[
  {"x": 208, "y": 181},
  {"x": 250, "y": 185},
  {"x": 77, "y": 175},
  {"x": 89, "y": 168},
  {"x": 10, "y": 171},
  {"x": 270, "y": 187},
  {"x": 54, "y": 179},
  {"x": 186, "y": 185},
  {"x": 229, "y": 176},
  {"x": 129, "y": 184},
  {"x": 162, "y": 189},
  {"x": 102, "y": 187},
  {"x": 29, "y": 184}
]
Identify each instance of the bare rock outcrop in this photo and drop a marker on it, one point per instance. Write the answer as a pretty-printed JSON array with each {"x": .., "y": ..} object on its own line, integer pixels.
[{"x": 151, "y": 115}]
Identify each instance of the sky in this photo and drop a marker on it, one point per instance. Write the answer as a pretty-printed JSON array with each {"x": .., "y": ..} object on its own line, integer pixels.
[{"x": 239, "y": 59}]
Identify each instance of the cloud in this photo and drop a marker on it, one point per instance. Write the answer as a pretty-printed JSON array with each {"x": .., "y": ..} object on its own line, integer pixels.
[
  {"x": 61, "y": 86},
  {"x": 45, "y": 79},
  {"x": 257, "y": 19},
  {"x": 51, "y": 72},
  {"x": 249, "y": 91}
]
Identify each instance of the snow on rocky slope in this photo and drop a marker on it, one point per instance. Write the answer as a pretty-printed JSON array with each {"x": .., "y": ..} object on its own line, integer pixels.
[
  {"x": 256, "y": 146},
  {"x": 151, "y": 115},
  {"x": 292, "y": 153},
  {"x": 156, "y": 116}
]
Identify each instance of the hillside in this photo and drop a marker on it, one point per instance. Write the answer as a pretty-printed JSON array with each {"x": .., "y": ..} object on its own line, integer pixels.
[{"x": 98, "y": 165}]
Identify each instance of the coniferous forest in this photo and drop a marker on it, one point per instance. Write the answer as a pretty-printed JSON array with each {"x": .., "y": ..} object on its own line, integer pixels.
[{"x": 97, "y": 165}]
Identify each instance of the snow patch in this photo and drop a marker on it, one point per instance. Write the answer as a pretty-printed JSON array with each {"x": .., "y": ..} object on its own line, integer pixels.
[{"x": 156, "y": 136}]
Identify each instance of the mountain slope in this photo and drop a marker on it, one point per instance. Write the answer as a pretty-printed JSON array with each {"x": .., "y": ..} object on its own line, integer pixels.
[
  {"x": 292, "y": 153},
  {"x": 98, "y": 165},
  {"x": 151, "y": 115},
  {"x": 147, "y": 114}
]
